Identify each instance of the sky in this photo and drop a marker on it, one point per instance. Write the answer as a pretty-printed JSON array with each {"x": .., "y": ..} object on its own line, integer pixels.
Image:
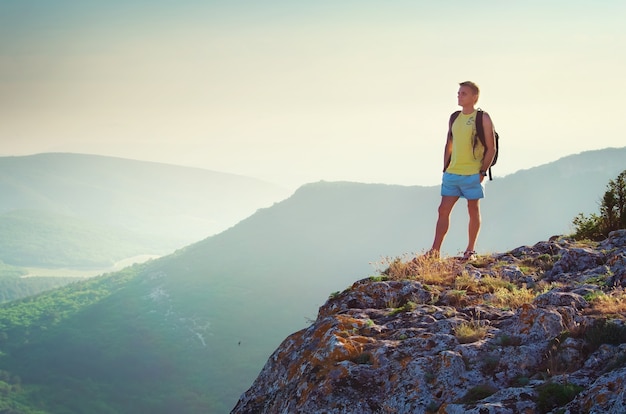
[{"x": 293, "y": 92}]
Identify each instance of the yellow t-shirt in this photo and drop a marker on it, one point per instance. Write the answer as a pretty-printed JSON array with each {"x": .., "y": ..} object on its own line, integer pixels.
[{"x": 467, "y": 150}]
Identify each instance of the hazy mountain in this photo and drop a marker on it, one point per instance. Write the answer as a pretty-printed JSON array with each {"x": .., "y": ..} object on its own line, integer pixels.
[
  {"x": 49, "y": 240},
  {"x": 115, "y": 206},
  {"x": 189, "y": 332}
]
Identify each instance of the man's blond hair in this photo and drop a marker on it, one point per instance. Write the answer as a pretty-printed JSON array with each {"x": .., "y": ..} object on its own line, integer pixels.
[{"x": 472, "y": 86}]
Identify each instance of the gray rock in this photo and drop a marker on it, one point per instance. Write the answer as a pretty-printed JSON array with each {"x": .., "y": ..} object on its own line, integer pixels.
[{"x": 396, "y": 346}]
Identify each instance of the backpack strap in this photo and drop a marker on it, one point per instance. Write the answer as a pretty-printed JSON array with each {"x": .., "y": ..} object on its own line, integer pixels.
[
  {"x": 453, "y": 118},
  {"x": 480, "y": 131}
]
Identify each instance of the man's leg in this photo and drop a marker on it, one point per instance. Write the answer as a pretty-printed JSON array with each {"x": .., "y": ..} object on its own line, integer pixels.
[
  {"x": 473, "y": 208},
  {"x": 443, "y": 221}
]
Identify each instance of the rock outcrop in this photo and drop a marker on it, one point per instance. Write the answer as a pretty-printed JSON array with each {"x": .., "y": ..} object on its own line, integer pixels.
[{"x": 535, "y": 330}]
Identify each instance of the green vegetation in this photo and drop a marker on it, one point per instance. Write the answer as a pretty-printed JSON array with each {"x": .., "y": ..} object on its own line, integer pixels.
[
  {"x": 151, "y": 338},
  {"x": 26, "y": 323},
  {"x": 407, "y": 307},
  {"x": 334, "y": 295},
  {"x": 612, "y": 214},
  {"x": 478, "y": 393},
  {"x": 104, "y": 345},
  {"x": 552, "y": 395},
  {"x": 12, "y": 288},
  {"x": 604, "y": 332},
  {"x": 14, "y": 285}
]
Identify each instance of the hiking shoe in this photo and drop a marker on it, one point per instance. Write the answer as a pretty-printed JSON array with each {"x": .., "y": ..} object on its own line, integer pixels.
[{"x": 468, "y": 256}]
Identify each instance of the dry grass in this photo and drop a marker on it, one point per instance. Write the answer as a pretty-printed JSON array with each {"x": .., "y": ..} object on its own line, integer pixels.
[
  {"x": 513, "y": 299},
  {"x": 467, "y": 283},
  {"x": 612, "y": 303},
  {"x": 428, "y": 270},
  {"x": 493, "y": 284},
  {"x": 462, "y": 288},
  {"x": 468, "y": 332}
]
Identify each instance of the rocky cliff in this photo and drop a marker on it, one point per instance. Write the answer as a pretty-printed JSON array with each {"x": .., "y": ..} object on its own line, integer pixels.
[{"x": 534, "y": 330}]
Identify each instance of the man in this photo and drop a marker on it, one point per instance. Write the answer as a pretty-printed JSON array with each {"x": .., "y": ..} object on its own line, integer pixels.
[{"x": 465, "y": 165}]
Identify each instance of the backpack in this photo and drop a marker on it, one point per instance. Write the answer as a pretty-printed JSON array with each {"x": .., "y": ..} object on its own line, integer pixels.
[{"x": 481, "y": 135}]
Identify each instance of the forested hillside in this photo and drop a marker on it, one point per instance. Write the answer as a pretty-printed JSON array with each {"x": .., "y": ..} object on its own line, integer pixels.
[{"x": 14, "y": 285}]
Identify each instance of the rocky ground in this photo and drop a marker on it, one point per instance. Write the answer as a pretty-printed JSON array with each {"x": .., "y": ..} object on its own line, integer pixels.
[{"x": 535, "y": 330}]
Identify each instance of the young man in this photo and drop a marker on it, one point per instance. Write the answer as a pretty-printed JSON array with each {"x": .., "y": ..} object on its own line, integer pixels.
[{"x": 465, "y": 165}]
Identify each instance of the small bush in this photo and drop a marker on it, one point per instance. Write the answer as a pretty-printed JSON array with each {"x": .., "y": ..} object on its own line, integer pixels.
[
  {"x": 612, "y": 213},
  {"x": 587, "y": 227},
  {"x": 364, "y": 359},
  {"x": 604, "y": 332},
  {"x": 478, "y": 393},
  {"x": 552, "y": 395}
]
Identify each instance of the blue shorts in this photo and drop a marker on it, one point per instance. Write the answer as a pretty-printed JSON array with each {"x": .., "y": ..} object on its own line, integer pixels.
[{"x": 467, "y": 186}]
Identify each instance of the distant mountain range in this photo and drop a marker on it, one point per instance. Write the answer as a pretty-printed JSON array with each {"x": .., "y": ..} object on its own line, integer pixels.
[
  {"x": 87, "y": 210},
  {"x": 190, "y": 331}
]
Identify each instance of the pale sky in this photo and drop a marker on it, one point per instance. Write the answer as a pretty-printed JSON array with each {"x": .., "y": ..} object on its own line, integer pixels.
[{"x": 300, "y": 91}]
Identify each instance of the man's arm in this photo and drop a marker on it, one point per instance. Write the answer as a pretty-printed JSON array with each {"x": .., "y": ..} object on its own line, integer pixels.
[{"x": 490, "y": 142}]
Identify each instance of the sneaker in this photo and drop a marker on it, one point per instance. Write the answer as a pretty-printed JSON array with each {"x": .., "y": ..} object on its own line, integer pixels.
[{"x": 469, "y": 255}]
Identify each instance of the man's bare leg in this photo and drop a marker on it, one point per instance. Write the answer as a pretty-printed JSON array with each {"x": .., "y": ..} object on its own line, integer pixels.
[
  {"x": 443, "y": 222},
  {"x": 473, "y": 208}
]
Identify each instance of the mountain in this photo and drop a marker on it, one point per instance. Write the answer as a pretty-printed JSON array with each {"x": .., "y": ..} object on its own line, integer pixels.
[
  {"x": 49, "y": 240},
  {"x": 535, "y": 330},
  {"x": 190, "y": 331},
  {"x": 87, "y": 210}
]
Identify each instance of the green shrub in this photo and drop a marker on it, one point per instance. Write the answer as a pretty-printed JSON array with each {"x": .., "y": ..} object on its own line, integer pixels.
[
  {"x": 364, "y": 359},
  {"x": 612, "y": 213},
  {"x": 552, "y": 395},
  {"x": 605, "y": 332},
  {"x": 478, "y": 393}
]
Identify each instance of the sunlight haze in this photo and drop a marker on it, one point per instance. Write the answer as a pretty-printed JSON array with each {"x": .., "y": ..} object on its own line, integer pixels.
[{"x": 295, "y": 92}]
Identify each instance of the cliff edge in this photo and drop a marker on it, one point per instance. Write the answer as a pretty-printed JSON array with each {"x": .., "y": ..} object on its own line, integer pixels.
[{"x": 534, "y": 330}]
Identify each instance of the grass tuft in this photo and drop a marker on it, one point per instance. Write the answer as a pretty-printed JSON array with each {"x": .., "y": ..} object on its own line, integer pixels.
[
  {"x": 613, "y": 303},
  {"x": 468, "y": 332}
]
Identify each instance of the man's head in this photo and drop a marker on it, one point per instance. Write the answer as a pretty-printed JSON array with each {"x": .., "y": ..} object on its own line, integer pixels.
[{"x": 470, "y": 89}]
